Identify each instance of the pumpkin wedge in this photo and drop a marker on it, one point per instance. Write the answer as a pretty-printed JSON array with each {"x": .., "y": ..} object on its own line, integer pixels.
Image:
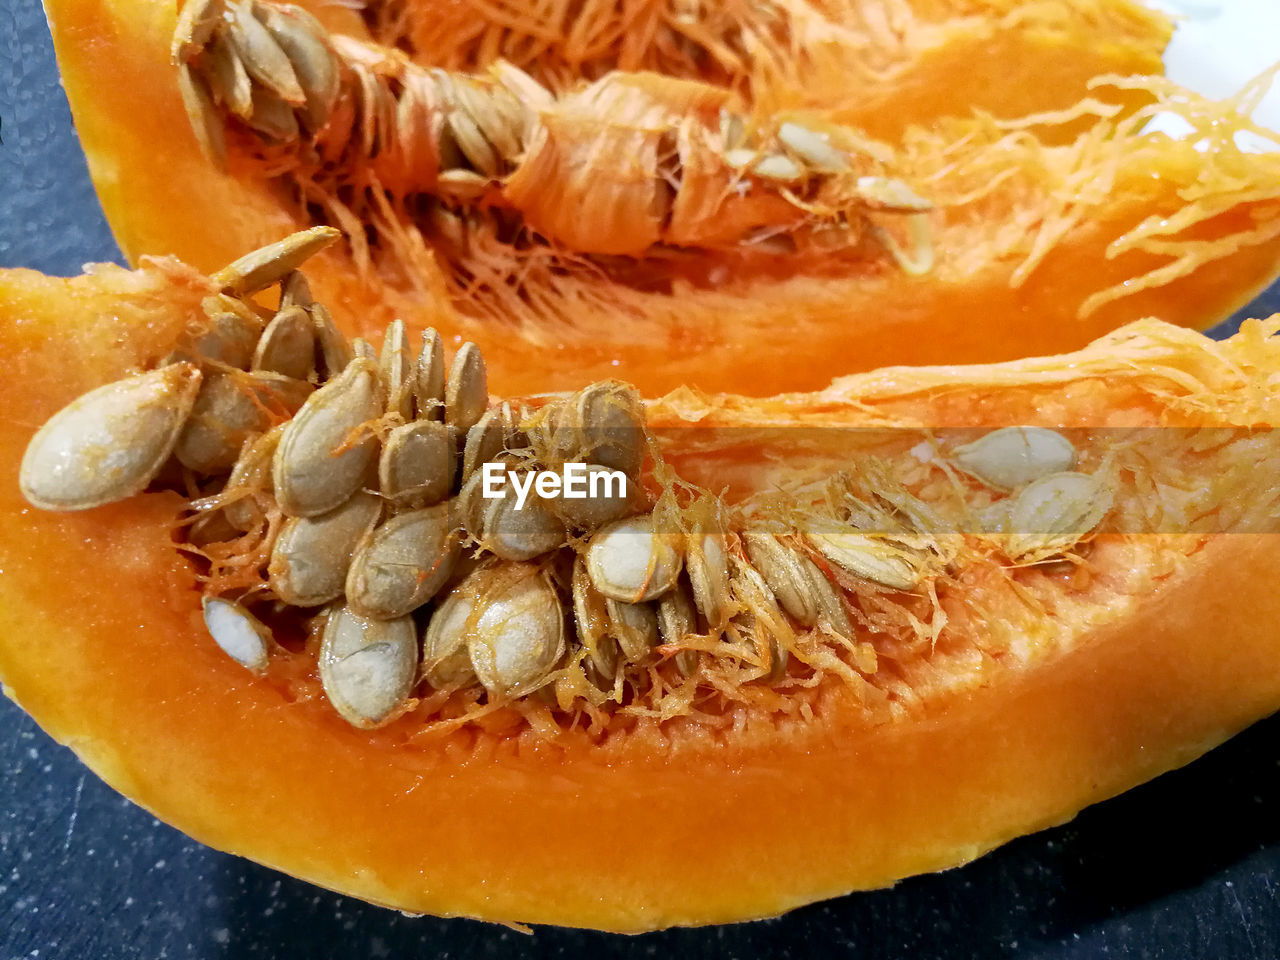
[
  {"x": 1010, "y": 241},
  {"x": 937, "y": 634}
]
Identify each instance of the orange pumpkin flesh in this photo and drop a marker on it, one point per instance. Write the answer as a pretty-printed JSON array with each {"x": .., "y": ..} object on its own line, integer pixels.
[
  {"x": 990, "y": 296},
  {"x": 1165, "y": 650}
]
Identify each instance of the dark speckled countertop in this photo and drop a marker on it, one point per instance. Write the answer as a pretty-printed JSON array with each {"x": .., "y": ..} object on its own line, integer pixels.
[{"x": 1184, "y": 867}]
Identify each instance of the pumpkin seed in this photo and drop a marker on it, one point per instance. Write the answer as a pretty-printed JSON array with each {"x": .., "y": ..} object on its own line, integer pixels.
[
  {"x": 202, "y": 115},
  {"x": 778, "y": 166},
  {"x": 196, "y": 24},
  {"x": 272, "y": 117},
  {"x": 229, "y": 339},
  {"x": 228, "y": 77},
  {"x": 288, "y": 345},
  {"x": 268, "y": 265},
  {"x": 517, "y": 635},
  {"x": 403, "y": 563},
  {"x": 486, "y": 439},
  {"x": 335, "y": 351},
  {"x": 708, "y": 565},
  {"x": 466, "y": 391},
  {"x": 311, "y": 555},
  {"x": 754, "y": 593},
  {"x": 872, "y": 558},
  {"x": 397, "y": 371},
  {"x": 634, "y": 626},
  {"x": 462, "y": 185},
  {"x": 677, "y": 619},
  {"x": 300, "y": 37},
  {"x": 368, "y": 667},
  {"x": 429, "y": 382},
  {"x": 514, "y": 533},
  {"x": 1053, "y": 514},
  {"x": 320, "y": 461},
  {"x": 884, "y": 193},
  {"x": 628, "y": 560},
  {"x": 831, "y": 610},
  {"x": 262, "y": 57},
  {"x": 241, "y": 635},
  {"x": 813, "y": 148},
  {"x": 210, "y": 527},
  {"x": 110, "y": 443},
  {"x": 418, "y": 463},
  {"x": 224, "y": 416},
  {"x": 591, "y": 617},
  {"x": 295, "y": 291},
  {"x": 478, "y": 151},
  {"x": 592, "y": 512},
  {"x": 788, "y": 574},
  {"x": 445, "y": 659},
  {"x": 1013, "y": 457},
  {"x": 251, "y": 475}
]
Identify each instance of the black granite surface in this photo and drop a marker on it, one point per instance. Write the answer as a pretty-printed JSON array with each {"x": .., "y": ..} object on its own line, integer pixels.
[{"x": 1185, "y": 867}]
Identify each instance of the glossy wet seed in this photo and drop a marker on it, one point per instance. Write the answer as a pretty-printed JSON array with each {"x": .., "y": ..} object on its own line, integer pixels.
[
  {"x": 466, "y": 390},
  {"x": 312, "y": 555},
  {"x": 240, "y": 635},
  {"x": 324, "y": 454},
  {"x": 1013, "y": 457},
  {"x": 403, "y": 563},
  {"x": 368, "y": 667},
  {"x": 629, "y": 561},
  {"x": 110, "y": 443},
  {"x": 268, "y": 265},
  {"x": 288, "y": 345},
  {"x": 418, "y": 463}
]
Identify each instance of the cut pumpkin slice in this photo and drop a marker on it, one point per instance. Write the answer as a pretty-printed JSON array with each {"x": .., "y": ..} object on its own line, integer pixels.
[
  {"x": 957, "y": 604},
  {"x": 576, "y": 244}
]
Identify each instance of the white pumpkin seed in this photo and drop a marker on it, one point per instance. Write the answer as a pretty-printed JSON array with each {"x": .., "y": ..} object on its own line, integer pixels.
[
  {"x": 628, "y": 560},
  {"x": 466, "y": 391},
  {"x": 1054, "y": 513},
  {"x": 267, "y": 265},
  {"x": 634, "y": 626},
  {"x": 813, "y": 148},
  {"x": 311, "y": 555},
  {"x": 403, "y": 563},
  {"x": 321, "y": 460},
  {"x": 429, "y": 381},
  {"x": 110, "y": 443},
  {"x": 787, "y": 573},
  {"x": 518, "y": 634},
  {"x": 708, "y": 565},
  {"x": 335, "y": 350},
  {"x": 397, "y": 371},
  {"x": 677, "y": 619},
  {"x": 288, "y": 345},
  {"x": 872, "y": 558},
  {"x": 1013, "y": 457},
  {"x": 368, "y": 667},
  {"x": 418, "y": 463},
  {"x": 241, "y": 635}
]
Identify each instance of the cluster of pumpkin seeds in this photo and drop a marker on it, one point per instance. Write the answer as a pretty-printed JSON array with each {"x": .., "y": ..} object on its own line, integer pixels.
[
  {"x": 357, "y": 478},
  {"x": 332, "y": 103}
]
